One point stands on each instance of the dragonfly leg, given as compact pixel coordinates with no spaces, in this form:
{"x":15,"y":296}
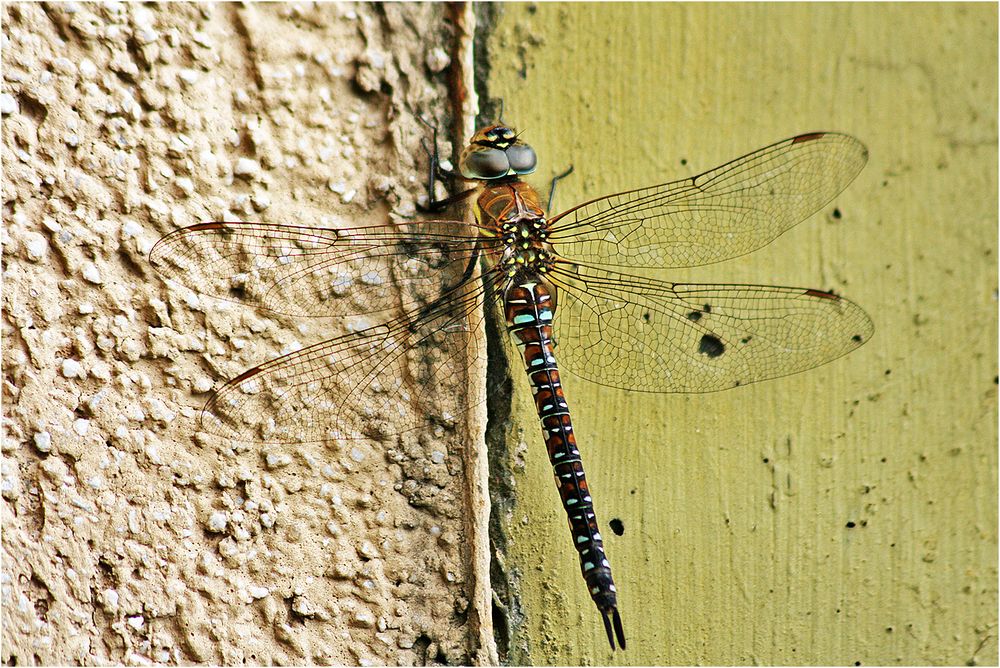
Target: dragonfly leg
{"x":435,"y":172}
{"x":434,"y":205}
{"x":552,"y":187}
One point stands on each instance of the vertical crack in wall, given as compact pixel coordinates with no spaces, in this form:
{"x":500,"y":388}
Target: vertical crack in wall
{"x":506,"y":606}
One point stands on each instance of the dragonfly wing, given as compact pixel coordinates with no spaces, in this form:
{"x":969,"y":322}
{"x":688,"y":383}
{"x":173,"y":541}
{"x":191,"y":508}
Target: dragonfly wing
{"x":723,"y":213}
{"x":307,"y":271}
{"x":651,"y":336}
{"x":385,"y":380}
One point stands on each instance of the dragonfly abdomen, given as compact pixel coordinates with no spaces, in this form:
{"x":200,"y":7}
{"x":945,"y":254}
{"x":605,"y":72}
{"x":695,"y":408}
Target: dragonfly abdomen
{"x":529,"y":311}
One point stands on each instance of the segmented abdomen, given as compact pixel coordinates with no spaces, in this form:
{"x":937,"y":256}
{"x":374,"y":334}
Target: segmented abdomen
{"x":529,"y":310}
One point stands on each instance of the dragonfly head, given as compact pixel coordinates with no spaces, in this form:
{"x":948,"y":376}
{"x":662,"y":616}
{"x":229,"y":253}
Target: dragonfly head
{"x":495,"y":152}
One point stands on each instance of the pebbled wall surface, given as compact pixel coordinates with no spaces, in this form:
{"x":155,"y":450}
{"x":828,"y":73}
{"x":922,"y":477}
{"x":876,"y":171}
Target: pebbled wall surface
{"x":125,"y":539}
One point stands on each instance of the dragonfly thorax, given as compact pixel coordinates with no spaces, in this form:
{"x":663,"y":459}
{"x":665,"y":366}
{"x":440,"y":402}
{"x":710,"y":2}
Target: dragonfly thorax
{"x":525,"y":249}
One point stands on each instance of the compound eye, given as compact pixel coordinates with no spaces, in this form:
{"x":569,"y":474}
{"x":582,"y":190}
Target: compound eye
{"x":485,"y":163}
{"x":522,"y":158}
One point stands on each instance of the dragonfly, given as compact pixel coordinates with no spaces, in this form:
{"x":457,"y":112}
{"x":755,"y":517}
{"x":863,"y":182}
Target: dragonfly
{"x":418,"y":285}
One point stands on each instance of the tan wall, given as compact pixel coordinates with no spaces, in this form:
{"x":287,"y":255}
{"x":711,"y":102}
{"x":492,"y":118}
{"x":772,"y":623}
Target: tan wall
{"x":847,"y":514}
{"x":129,"y":537}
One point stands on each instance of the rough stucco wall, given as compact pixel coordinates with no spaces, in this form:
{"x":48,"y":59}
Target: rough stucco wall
{"x":844,"y":515}
{"x":125,"y":538}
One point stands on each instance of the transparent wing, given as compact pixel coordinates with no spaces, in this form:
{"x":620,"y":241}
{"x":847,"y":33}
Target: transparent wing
{"x":318,"y":272}
{"x":385,"y":380}
{"x":651,"y":336}
{"x":723,"y":213}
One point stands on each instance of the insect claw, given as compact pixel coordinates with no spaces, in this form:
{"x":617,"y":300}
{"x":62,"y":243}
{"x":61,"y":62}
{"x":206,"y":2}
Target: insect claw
{"x":431,"y":126}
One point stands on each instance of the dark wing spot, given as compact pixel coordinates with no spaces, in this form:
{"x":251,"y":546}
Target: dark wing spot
{"x":707,"y":308}
{"x":711,"y":346}
{"x":645,"y":316}
{"x":856,"y":338}
{"x":745,"y":340}
{"x":694,"y":316}
{"x":807,"y":137}
{"x":617,"y":526}
{"x":836,"y":214}
{"x":823,"y":295}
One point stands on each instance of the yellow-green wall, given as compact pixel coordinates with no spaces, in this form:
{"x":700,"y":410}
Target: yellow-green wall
{"x":736,"y":505}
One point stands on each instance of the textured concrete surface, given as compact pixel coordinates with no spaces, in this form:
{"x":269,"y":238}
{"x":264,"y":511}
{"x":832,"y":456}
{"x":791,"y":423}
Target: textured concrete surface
{"x":127,"y":538}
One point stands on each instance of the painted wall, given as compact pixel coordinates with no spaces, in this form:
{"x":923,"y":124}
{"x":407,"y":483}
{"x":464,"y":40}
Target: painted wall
{"x":847,"y":514}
